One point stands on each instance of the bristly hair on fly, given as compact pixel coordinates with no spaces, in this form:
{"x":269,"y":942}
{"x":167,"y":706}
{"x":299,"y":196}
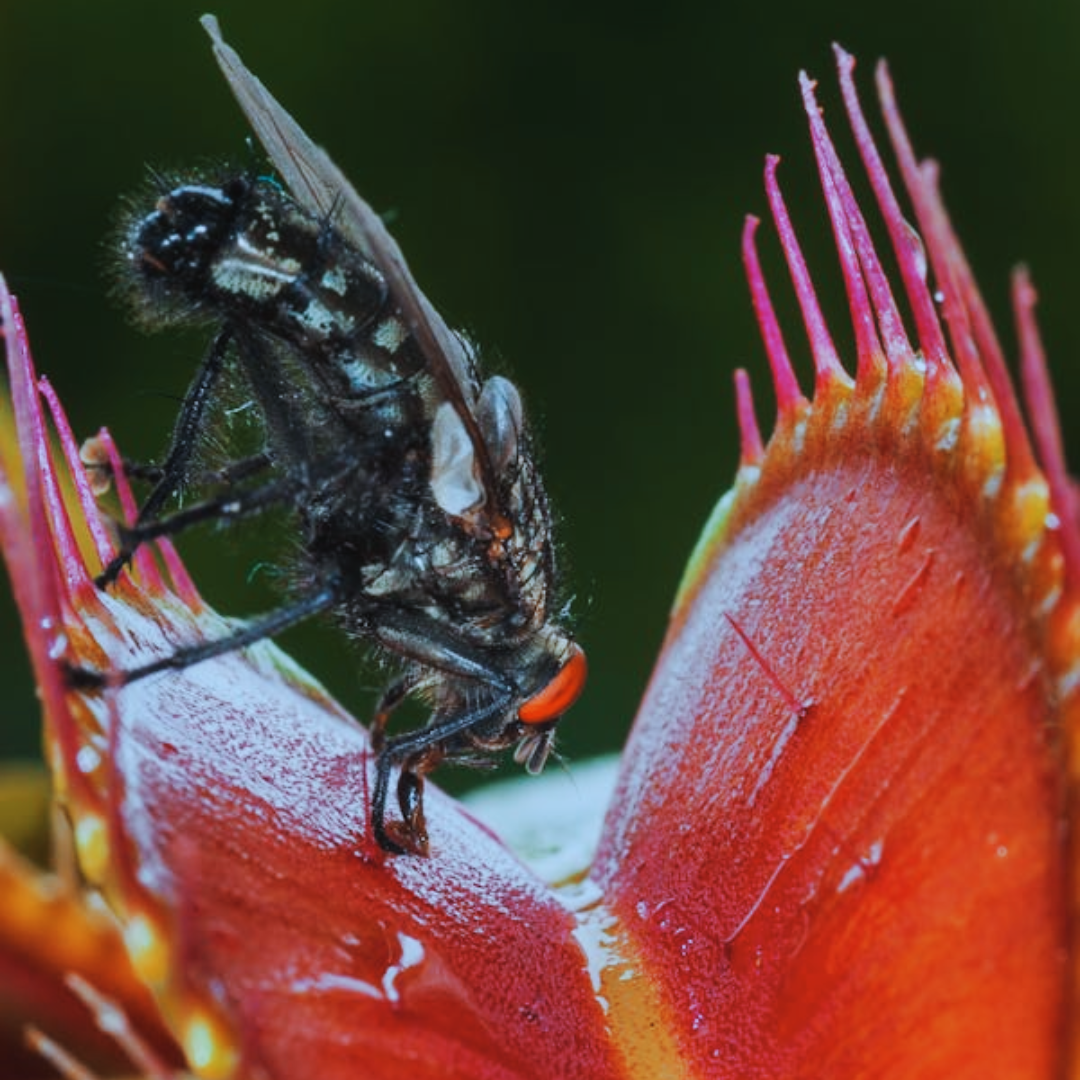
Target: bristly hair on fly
{"x":419,"y":513}
{"x":164,"y":309}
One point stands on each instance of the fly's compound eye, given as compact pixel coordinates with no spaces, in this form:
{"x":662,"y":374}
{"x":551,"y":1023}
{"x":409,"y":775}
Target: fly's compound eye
{"x":557,"y":696}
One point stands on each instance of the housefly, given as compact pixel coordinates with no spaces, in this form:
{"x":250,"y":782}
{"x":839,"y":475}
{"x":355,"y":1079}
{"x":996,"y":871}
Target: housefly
{"x":422,"y":521}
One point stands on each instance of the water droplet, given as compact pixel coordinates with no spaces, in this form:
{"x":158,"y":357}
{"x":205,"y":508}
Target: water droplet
{"x":87,"y":759}
{"x":412,"y":956}
{"x":860,"y":870}
{"x":56,"y":640}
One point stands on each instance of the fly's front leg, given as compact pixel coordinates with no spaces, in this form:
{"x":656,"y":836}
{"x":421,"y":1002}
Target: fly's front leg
{"x":410,"y":793}
{"x":388,"y":839}
{"x":410,"y":835}
{"x":391,"y":698}
{"x":437,"y":647}
{"x":417,"y":753}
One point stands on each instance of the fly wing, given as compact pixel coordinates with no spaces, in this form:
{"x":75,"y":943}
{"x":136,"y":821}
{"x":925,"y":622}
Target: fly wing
{"x":320,"y":187}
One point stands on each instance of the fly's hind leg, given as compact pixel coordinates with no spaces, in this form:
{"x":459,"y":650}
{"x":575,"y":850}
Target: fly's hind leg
{"x":230,"y":506}
{"x":232,"y":472}
{"x":258,"y":629}
{"x":185,"y":437}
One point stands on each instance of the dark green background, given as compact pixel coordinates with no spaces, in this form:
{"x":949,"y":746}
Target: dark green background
{"x":569,"y":183}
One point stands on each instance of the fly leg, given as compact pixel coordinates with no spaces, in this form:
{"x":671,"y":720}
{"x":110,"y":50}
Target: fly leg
{"x":230,"y":505}
{"x":416,"y":753}
{"x":257,"y":629}
{"x":184,"y":440}
{"x":232,"y":472}
{"x":410,"y":793}
{"x":410,"y":835}
{"x":391,"y":698}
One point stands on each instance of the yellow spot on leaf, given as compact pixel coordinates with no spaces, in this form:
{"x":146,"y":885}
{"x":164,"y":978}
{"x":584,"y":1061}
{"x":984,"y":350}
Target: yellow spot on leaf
{"x":208,"y":1048}
{"x":92,"y":846}
{"x":147,"y":948}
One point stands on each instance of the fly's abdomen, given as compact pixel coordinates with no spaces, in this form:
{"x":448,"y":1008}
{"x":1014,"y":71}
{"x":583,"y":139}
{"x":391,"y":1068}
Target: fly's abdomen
{"x":245,"y":251}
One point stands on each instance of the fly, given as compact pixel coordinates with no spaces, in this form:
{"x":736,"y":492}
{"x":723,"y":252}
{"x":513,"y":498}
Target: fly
{"x":422,"y":521}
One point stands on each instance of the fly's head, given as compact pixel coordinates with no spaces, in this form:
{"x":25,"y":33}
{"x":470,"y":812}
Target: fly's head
{"x":562,"y":669}
{"x":519,"y":704}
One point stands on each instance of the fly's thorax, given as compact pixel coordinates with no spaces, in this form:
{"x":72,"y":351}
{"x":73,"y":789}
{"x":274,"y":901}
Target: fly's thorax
{"x":495,"y":559}
{"x":457,"y":479}
{"x":366,"y":500}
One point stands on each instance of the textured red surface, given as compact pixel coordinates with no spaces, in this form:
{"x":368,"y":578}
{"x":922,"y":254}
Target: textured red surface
{"x":246,"y":805}
{"x":873,"y":886}
{"x":843,"y":816}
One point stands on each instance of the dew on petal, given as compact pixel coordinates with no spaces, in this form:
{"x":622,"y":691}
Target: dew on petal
{"x":411,"y":956}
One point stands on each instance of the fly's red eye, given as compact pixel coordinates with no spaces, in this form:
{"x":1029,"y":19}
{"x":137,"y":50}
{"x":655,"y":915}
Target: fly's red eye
{"x":559,"y":694}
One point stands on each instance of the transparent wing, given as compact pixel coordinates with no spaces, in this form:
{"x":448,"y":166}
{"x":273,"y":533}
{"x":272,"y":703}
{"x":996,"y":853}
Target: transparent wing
{"x":319,"y":186}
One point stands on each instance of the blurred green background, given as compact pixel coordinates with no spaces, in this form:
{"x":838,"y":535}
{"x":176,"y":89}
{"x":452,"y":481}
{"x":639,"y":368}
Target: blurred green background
{"x":568,"y":182}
